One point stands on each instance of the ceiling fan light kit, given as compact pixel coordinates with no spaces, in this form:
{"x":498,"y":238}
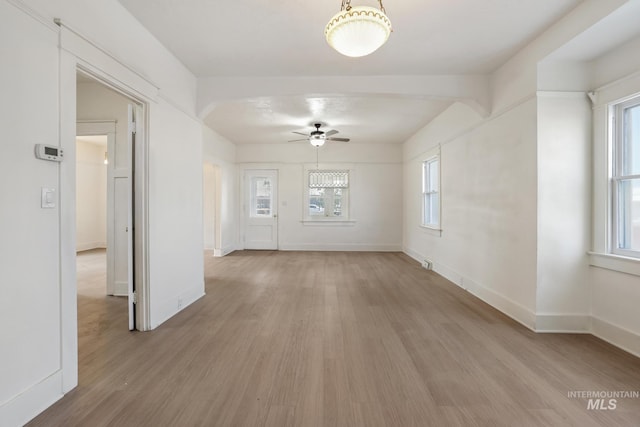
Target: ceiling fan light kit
{"x":358,"y":31}
{"x":317,"y":138}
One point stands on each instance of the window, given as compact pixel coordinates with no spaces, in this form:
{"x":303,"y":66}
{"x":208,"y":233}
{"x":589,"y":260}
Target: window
{"x":328,"y":194}
{"x":625,"y":180}
{"x":431,"y":192}
{"x":261,"y":197}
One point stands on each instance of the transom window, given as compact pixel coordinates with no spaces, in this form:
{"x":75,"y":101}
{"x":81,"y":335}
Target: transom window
{"x":625,"y":178}
{"x":328,"y":194}
{"x":431,"y":192}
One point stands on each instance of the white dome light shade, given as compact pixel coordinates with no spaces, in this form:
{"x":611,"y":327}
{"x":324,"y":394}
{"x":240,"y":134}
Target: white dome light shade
{"x":317,"y":140}
{"x":359,"y":31}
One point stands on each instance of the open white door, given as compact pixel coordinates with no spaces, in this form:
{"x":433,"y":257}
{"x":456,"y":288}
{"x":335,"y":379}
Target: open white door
{"x":261,"y":209}
{"x":132,"y":113}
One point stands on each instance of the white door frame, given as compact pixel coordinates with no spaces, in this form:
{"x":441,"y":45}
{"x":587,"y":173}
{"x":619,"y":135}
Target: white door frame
{"x":78,"y":53}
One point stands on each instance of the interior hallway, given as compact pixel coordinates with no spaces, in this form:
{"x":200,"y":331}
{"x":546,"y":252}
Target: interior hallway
{"x":328,"y":338}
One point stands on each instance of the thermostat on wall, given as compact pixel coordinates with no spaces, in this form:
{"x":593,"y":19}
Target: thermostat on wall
{"x":49,"y":152}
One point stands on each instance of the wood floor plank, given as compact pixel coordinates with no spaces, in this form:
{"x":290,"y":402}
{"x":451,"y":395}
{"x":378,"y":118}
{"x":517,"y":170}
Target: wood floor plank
{"x":331,"y":339}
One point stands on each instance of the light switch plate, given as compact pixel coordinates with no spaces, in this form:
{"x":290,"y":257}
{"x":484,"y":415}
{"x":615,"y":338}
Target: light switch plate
{"x":48,"y":198}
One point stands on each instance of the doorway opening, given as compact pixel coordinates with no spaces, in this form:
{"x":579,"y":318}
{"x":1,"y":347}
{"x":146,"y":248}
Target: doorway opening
{"x":110,"y":120}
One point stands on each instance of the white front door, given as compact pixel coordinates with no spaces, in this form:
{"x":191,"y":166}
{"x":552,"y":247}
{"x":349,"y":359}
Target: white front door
{"x":261,"y":209}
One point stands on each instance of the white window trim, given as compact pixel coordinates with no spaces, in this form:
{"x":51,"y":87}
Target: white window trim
{"x":434,"y":229}
{"x":327,"y":220}
{"x":602,"y":255}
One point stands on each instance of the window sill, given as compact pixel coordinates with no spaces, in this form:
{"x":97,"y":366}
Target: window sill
{"x":613,"y":262}
{"x":329,"y":222}
{"x":434,"y":231}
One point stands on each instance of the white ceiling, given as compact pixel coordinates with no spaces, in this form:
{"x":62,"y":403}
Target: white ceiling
{"x":279,"y":38}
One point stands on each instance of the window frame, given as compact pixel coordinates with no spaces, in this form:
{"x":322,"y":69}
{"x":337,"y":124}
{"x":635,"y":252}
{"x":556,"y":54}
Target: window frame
{"x":329,"y":216}
{"x":617,"y":145}
{"x":428,"y":191}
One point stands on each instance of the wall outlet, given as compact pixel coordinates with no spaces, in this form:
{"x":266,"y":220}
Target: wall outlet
{"x":427,"y":264}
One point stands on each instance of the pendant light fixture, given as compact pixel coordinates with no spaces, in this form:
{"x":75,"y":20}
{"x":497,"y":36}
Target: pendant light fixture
{"x":359,"y":30}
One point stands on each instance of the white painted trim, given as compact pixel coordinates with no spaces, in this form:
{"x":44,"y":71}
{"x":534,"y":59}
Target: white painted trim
{"x":616,"y":335}
{"x":617,"y":263}
{"x":181,"y":301}
{"x":563,"y":323}
{"x":515,"y":310}
{"x":224,"y":251}
{"x":98,"y":60}
{"x":341,"y":247}
{"x":95,"y":127}
{"x":433,"y":231}
{"x":329,"y":222}
{"x":27,"y":405}
{"x":48,"y":23}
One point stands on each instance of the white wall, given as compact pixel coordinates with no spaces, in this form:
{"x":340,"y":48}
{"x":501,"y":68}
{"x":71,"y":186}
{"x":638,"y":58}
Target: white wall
{"x":30,"y":328}
{"x":488,"y":204}
{"x":175,"y":211}
{"x":38,"y":353}
{"x":564,"y":211}
{"x":91,"y":196}
{"x":375,"y":199}
{"x":221,"y":153}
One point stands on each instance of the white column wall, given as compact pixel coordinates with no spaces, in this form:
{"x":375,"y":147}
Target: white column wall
{"x":176,"y":238}
{"x":564,"y":211}
{"x":30,"y":326}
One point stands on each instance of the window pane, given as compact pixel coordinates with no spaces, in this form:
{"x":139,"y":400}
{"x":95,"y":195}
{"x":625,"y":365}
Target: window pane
{"x":260,"y":197}
{"x":433,"y":175}
{"x":316,"y":201}
{"x":435,"y":209}
{"x":337,"y":202}
{"x":631,"y":140}
{"x":328,"y":179}
{"x":629,"y":214}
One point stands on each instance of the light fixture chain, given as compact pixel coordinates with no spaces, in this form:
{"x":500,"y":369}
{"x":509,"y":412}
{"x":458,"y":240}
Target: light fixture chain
{"x":346,"y":5}
{"x":382,"y":7}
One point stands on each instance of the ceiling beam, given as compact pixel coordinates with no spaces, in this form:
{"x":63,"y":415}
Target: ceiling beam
{"x":472,"y":90}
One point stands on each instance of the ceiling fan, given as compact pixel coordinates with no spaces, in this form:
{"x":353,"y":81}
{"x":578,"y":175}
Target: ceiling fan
{"x":317,"y":137}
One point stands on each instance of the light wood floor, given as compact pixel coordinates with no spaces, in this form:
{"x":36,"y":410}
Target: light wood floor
{"x":344,"y":339}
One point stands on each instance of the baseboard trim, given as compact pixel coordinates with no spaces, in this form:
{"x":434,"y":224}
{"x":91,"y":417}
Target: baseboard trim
{"x":173,"y":306}
{"x":346,"y":247}
{"x":27,"y":405}
{"x":563,"y":323}
{"x":223,"y":251}
{"x":618,"y":336}
{"x":615,"y":335}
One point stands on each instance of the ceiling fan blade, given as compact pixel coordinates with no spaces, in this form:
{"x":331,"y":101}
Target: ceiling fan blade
{"x":331,"y":132}
{"x":300,"y":133}
{"x":339,"y":139}
{"x":296,"y":140}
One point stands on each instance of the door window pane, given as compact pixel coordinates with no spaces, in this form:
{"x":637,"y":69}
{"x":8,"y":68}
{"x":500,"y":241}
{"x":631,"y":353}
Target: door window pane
{"x":261,"y":197}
